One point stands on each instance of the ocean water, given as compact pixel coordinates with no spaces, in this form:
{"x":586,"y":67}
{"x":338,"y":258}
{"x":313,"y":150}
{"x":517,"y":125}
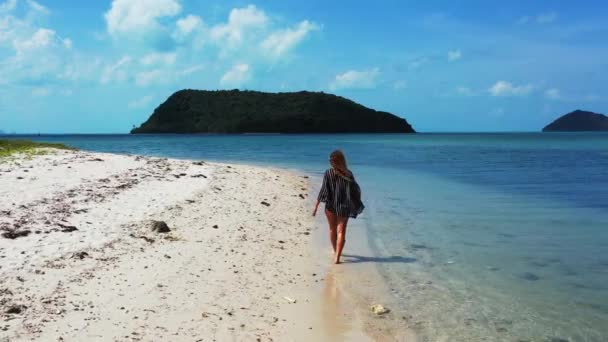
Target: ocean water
{"x":480,"y":237}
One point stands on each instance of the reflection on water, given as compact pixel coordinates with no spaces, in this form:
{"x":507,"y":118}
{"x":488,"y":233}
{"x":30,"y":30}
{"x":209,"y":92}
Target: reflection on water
{"x":335,"y":311}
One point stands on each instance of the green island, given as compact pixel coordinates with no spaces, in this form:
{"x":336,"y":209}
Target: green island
{"x":235,"y":111}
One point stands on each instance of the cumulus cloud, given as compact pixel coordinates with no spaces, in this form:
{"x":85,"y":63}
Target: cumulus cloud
{"x":240,"y":22}
{"x":139,"y":16}
{"x":188,"y":24}
{"x":280,"y":42}
{"x":42,"y":38}
{"x":237,"y":76}
{"x":364,"y":79}
{"x":552,"y":94}
{"x":454,"y":55}
{"x":156,"y":58}
{"x":503,"y":88}
{"x":546,"y":18}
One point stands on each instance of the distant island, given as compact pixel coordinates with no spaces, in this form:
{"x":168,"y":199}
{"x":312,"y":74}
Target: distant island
{"x":235,"y":111}
{"x":579,"y":121}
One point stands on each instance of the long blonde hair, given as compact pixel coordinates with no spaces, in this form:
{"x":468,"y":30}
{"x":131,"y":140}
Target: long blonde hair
{"x":338,"y":162}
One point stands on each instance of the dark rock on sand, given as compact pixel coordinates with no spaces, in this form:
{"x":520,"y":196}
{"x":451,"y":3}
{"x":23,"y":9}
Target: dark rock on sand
{"x":67,"y":229}
{"x":13,"y":234}
{"x":15,"y":309}
{"x":265,"y":203}
{"x":160,"y":227}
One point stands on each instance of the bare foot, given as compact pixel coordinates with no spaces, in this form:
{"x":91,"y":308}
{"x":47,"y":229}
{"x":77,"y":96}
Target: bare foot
{"x":336,"y":261}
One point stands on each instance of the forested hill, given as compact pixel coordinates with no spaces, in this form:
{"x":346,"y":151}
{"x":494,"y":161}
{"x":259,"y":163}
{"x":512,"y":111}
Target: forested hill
{"x":579,"y":121}
{"x":234,"y":111}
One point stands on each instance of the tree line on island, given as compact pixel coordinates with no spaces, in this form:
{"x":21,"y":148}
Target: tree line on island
{"x":235,"y":111}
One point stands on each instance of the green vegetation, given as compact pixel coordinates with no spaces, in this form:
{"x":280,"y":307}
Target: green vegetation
{"x":28,"y":148}
{"x":234,"y":111}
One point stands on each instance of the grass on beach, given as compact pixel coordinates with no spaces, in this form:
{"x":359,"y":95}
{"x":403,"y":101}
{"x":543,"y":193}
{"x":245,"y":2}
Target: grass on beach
{"x":28,"y":148}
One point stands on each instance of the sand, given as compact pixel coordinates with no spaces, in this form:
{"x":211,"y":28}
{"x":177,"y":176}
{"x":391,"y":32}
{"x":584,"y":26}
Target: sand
{"x":80,"y":262}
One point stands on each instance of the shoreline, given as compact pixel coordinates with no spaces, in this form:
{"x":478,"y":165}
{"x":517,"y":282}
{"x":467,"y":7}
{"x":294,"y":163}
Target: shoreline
{"x":238,"y":263}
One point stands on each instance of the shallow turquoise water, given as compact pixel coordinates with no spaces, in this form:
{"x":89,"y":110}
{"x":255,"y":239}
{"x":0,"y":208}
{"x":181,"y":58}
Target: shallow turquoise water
{"x":499,"y":236}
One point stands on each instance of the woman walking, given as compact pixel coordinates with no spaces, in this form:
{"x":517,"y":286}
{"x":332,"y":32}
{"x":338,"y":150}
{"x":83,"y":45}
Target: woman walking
{"x":342,"y":197}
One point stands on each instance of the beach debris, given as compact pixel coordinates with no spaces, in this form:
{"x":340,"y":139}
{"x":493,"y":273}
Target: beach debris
{"x":66,"y":228}
{"x":215,"y":226}
{"x":13,"y":234}
{"x":147,"y":239}
{"x":379,"y":309}
{"x":200,"y":163}
{"x":15,"y":309}
{"x":159,"y":227}
{"x":199,"y":176}
{"x":302,"y":196}
{"x":97,"y":159}
{"x":80,"y":255}
{"x":290,"y":300}
{"x":529,"y":276}
{"x":265,"y":203}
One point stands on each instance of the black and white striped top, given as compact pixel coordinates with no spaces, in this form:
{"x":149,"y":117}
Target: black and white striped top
{"x":341,"y":195}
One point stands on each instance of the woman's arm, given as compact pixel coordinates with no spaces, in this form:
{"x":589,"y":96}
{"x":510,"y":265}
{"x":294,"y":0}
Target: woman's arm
{"x":323,"y":193}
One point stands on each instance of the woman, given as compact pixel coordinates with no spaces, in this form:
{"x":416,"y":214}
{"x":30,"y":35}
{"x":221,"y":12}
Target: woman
{"x":342,"y":197}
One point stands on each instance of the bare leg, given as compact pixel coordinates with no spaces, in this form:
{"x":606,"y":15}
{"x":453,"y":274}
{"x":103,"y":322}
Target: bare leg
{"x":342,"y":222}
{"x":333,"y":228}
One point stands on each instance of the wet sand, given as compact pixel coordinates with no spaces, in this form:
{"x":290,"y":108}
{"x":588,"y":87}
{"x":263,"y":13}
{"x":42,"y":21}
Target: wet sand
{"x":242,"y":261}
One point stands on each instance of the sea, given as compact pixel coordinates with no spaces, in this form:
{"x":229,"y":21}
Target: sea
{"x":481,"y":237}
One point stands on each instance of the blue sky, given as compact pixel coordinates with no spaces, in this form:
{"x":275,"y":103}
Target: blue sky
{"x":103,"y":66}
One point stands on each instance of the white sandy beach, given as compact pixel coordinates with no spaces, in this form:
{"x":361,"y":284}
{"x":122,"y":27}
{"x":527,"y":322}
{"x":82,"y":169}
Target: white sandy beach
{"x":236,"y":266}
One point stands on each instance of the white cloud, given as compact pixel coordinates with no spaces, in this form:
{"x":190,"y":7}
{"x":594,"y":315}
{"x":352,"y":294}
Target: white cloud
{"x":42,"y":38}
{"x":41,"y":92}
{"x":546,"y":18}
{"x":523,"y":20}
{"x":400,"y":84}
{"x":36,"y":7}
{"x":141,"y":102}
{"x":8,"y":6}
{"x":503,"y":88}
{"x":192,"y":69}
{"x":117,"y":71}
{"x":454,"y":55}
{"x":355,"y":79}
{"x":417,"y":63}
{"x":159,"y":59}
{"x":138,"y":16}
{"x":465,"y":91}
{"x":238,"y":75}
{"x":146,"y":78}
{"x":188,"y":24}
{"x":552,"y":94}
{"x":280,"y":42}
{"x":67,"y":43}
{"x":240,"y":22}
